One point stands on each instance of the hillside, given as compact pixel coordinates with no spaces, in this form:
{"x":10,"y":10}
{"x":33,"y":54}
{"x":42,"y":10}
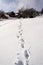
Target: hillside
{"x":32,"y":35}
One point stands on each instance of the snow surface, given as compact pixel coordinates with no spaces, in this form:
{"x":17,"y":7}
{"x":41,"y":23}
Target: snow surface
{"x":33,"y":36}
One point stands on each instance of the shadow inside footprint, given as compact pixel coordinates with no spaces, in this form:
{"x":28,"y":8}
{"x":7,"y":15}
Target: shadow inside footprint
{"x":19,"y":63}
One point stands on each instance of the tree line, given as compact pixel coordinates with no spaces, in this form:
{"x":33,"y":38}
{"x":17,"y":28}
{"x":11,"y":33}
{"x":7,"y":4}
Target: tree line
{"x":22,"y":13}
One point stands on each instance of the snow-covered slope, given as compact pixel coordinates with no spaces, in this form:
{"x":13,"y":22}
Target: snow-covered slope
{"x":33,"y":36}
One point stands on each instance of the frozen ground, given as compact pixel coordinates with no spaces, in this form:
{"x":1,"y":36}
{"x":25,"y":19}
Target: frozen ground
{"x":33,"y":36}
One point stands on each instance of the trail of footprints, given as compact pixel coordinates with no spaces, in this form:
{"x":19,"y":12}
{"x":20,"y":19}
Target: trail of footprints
{"x":22,"y":43}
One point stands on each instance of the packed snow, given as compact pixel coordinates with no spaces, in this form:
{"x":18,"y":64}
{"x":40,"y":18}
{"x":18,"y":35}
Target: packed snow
{"x":10,"y":49}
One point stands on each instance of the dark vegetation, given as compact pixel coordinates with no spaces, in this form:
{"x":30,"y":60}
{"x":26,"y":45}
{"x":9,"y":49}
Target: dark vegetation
{"x":3,"y":15}
{"x":42,"y":11}
{"x":31,"y":13}
{"x":27,"y":13}
{"x":11,"y":14}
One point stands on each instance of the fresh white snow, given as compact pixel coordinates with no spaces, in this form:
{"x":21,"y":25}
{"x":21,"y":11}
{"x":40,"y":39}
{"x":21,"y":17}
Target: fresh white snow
{"x":33,"y":36}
